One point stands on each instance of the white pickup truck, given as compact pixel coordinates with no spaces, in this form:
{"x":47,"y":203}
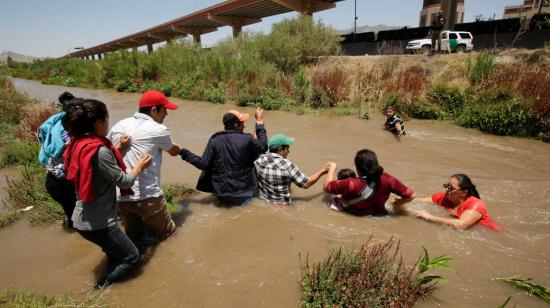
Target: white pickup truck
{"x":451,"y":41}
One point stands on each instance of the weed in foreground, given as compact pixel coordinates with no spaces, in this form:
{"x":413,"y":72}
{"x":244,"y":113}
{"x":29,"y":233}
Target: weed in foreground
{"x":531,"y":288}
{"x":23,"y":298}
{"x":372,"y":276}
{"x":175,"y":191}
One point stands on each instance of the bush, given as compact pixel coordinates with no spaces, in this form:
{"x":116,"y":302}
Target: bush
{"x":215,"y":95}
{"x":372,"y":276}
{"x":449,"y":98}
{"x":301,"y":87}
{"x":423,"y":110}
{"x":411,"y":80}
{"x":333,"y":81}
{"x":319,"y":98}
{"x":514,"y":117}
{"x":482,"y":69}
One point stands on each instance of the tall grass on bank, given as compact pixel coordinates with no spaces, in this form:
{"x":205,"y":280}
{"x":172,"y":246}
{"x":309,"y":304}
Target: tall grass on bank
{"x":26,"y":299}
{"x":372,"y":276}
{"x":18,"y":146}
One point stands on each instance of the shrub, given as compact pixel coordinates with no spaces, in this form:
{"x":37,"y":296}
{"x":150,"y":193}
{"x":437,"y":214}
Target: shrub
{"x":482,"y":69}
{"x":449,"y":98}
{"x":333,"y":81}
{"x":319,"y":98}
{"x":411,"y":80}
{"x":512,"y":117}
{"x":372,"y":276}
{"x":423,"y":110}
{"x":301,"y":87}
{"x":215,"y":95}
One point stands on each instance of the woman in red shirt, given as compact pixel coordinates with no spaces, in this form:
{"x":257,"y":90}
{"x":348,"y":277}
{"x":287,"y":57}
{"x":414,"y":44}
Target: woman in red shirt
{"x":366,"y":194}
{"x":461,"y":200}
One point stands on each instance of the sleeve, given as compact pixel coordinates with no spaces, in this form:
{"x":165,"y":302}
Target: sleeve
{"x":400,"y":189}
{"x":109,"y":170}
{"x":296,"y":175}
{"x":338,"y":187}
{"x":259,"y":146}
{"x":477,"y":205}
{"x":163,"y":139}
{"x":201,"y":162}
{"x":438,"y":198}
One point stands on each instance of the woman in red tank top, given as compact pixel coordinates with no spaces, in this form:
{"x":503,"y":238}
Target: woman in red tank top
{"x":461,"y":200}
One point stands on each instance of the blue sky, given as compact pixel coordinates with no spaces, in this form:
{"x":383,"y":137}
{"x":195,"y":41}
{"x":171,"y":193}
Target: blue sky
{"x":50,"y":28}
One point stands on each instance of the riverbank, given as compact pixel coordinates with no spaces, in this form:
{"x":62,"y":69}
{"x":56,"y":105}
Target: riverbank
{"x":295,"y":67}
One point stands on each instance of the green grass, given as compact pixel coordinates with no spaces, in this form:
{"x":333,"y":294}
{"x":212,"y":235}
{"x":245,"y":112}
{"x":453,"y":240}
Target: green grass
{"x":173,"y":192}
{"x":27,"y":299}
{"x":526,"y":285}
{"x":372,"y":276}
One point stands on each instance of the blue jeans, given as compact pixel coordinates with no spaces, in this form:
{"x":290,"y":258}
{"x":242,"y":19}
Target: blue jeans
{"x":122,"y":254}
{"x":230,"y":200}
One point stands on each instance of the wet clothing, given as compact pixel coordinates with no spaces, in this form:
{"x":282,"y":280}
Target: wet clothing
{"x":228,"y":162}
{"x":52,"y":137}
{"x":78,"y":164}
{"x":62,"y":191}
{"x":151,"y":212}
{"x":106,"y":176}
{"x":472,"y":203}
{"x":147,"y":137}
{"x":122,"y":255}
{"x":275,"y":174}
{"x":390,"y":124}
{"x":351,"y":188}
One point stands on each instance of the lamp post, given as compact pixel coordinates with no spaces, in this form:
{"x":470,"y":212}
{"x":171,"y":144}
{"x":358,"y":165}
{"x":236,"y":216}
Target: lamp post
{"x":355,"y":21}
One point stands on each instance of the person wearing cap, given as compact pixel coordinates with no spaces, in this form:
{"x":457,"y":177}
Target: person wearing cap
{"x":228,"y":159}
{"x":146,"y":209}
{"x":276,"y":172}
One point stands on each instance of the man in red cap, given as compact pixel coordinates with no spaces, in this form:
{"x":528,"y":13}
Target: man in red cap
{"x":228,"y":160}
{"x":146,"y":209}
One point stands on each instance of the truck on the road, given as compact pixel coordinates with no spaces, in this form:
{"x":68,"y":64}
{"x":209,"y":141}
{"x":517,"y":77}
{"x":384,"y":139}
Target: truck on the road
{"x":451,"y":41}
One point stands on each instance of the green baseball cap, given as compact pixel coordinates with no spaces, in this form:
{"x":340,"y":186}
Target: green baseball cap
{"x":279,"y":140}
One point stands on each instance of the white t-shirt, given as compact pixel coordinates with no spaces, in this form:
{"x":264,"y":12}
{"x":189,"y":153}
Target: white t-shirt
{"x":146,"y":137}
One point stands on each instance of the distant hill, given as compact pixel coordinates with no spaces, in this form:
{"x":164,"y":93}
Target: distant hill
{"x":15,"y":57}
{"x":363,"y":29}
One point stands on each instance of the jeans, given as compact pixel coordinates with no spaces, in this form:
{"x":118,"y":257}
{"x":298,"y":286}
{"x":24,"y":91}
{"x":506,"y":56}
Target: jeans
{"x":122,"y":254}
{"x":230,"y":200}
{"x":62,"y":191}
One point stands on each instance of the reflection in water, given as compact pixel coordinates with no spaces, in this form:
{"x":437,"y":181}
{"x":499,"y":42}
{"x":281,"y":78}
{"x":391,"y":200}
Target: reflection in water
{"x":249,"y":256}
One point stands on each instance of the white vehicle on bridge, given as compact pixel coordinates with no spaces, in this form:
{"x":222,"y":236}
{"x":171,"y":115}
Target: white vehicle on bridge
{"x":451,"y":41}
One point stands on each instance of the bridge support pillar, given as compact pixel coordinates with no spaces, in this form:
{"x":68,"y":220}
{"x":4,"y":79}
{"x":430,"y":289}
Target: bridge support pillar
{"x":99,"y":56}
{"x":149,"y":48}
{"x":236,"y":31}
{"x":197,"y":38}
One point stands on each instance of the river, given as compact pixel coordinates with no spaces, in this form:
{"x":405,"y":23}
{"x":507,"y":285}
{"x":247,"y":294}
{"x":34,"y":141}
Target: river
{"x":249,"y":256}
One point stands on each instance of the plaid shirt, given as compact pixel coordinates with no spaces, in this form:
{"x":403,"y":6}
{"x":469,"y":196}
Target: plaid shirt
{"x":275,"y":174}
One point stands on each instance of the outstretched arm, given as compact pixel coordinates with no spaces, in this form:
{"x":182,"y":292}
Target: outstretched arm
{"x":312,"y":179}
{"x":331,"y":175}
{"x":468,"y":219}
{"x":200,"y":162}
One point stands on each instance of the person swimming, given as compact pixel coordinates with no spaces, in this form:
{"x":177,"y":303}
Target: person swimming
{"x":394,"y":123}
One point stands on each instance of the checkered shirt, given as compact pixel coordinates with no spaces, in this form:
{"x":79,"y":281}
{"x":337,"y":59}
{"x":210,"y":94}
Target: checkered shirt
{"x":275,"y":174}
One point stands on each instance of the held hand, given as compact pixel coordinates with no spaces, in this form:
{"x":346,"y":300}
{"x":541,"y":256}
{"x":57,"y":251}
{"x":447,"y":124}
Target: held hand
{"x":123,"y":140}
{"x":397,"y":201}
{"x":259,"y":115}
{"x":422,"y":214}
{"x":143,"y":162}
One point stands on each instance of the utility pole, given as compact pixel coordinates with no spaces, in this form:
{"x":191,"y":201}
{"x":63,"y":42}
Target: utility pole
{"x":355,"y":21}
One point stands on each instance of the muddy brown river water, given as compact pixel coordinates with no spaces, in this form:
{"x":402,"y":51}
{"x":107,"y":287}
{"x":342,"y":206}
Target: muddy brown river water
{"x":249,"y":256}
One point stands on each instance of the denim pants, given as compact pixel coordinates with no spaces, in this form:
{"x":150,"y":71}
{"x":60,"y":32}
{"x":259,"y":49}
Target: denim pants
{"x":234,"y":201}
{"x":62,"y":191}
{"x":122,"y":254}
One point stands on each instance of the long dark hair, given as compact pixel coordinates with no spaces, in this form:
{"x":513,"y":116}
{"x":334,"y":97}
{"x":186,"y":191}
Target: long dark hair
{"x":367,"y":165}
{"x":465,"y":183}
{"x":83,"y":114}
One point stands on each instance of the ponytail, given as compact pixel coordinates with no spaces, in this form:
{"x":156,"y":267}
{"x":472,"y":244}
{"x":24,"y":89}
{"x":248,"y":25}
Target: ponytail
{"x":82,"y":116}
{"x":366,"y":163}
{"x":465,"y":183}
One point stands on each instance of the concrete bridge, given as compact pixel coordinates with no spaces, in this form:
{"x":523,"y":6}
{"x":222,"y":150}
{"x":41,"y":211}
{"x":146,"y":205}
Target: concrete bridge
{"x":233,"y":13}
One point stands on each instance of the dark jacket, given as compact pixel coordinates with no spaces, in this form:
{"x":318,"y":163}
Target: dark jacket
{"x":228,"y":162}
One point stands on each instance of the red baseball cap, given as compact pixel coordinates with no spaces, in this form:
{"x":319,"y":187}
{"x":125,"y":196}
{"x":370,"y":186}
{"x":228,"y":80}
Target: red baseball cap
{"x":154,"y":98}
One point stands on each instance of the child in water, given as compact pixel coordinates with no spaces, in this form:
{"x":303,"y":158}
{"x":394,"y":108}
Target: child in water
{"x":337,"y":203}
{"x":393,"y":123}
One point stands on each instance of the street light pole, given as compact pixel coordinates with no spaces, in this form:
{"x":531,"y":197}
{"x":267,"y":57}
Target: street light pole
{"x":355,"y":21}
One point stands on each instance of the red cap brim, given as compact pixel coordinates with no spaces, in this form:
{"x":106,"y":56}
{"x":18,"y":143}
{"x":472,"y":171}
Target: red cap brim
{"x":170,"y":105}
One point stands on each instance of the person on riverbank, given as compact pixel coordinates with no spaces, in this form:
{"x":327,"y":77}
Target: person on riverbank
{"x":276,"y":173}
{"x":461,"y":199}
{"x":53,"y":138}
{"x":146,"y":209}
{"x":227,"y":162}
{"x":394,"y":123}
{"x":96,"y":168}
{"x":367,"y":193}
